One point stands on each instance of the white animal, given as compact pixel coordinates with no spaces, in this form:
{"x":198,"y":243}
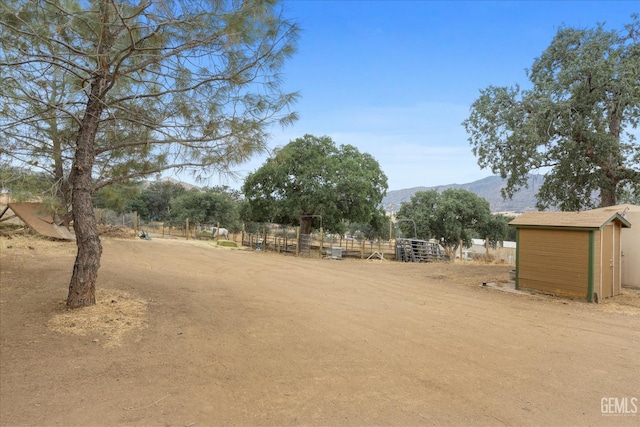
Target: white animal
{"x":220,"y":232}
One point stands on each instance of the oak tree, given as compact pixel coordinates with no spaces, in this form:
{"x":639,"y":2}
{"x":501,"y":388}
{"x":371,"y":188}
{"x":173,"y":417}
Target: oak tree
{"x":577,"y":120}
{"x":448,"y":217}
{"x":311,"y":177}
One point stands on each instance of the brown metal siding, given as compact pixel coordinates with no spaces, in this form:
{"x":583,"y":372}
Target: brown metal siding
{"x":554,"y":261}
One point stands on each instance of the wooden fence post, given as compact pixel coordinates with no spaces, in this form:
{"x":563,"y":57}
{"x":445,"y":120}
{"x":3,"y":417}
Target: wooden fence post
{"x":486,"y":247}
{"x":186,"y":229}
{"x":298,"y":241}
{"x":264,"y":239}
{"x":362,"y":250}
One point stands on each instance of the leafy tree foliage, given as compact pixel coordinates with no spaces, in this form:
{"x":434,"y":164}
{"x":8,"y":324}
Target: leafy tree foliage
{"x":422,"y":209}
{"x":206,"y":207}
{"x":309,"y":177}
{"x":449,"y":217}
{"x":103,"y":91}
{"x":22,"y":184}
{"x":378,"y":228}
{"x":497,"y":229}
{"x":630,"y":194}
{"x":119,"y":198}
{"x":577,"y":120}
{"x":26,"y":185}
{"x":170,"y":202}
{"x":156,"y":199}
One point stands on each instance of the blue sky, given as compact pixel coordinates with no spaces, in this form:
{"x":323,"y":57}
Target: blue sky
{"x":397,"y":78}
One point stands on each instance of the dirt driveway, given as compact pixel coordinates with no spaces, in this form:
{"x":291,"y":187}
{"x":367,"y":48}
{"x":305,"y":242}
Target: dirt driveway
{"x":235,"y":337}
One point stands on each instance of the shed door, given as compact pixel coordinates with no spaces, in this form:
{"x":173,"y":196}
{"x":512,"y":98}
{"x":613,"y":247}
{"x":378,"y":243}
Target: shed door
{"x":617,"y":259}
{"x":608,"y":261}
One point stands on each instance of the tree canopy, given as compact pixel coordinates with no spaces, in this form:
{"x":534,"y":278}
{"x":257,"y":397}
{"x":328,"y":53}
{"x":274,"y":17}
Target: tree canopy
{"x":449,"y":217}
{"x":577,"y":120}
{"x":99,"y":92}
{"x":121,"y":198}
{"x":310,"y":177}
{"x":210,"y":207}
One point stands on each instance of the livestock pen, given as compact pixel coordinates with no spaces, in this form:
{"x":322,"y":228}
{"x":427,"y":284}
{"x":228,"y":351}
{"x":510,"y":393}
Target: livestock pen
{"x":288,"y":240}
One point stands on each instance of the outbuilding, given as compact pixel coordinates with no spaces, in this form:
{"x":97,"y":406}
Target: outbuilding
{"x":630,"y":243}
{"x":570,"y":254}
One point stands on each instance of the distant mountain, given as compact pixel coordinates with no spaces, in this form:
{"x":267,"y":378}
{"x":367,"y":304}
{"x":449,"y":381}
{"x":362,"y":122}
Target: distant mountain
{"x":487,"y":188}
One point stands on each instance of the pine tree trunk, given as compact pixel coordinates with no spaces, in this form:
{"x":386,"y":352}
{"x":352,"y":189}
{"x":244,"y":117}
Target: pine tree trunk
{"x":85,"y":270}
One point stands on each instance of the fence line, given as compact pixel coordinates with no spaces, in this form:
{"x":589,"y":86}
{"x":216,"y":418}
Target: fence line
{"x":317,"y":245}
{"x":282,"y":239}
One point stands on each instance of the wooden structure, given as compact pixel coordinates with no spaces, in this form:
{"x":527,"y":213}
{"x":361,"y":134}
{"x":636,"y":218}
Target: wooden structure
{"x":630,"y":243}
{"x":571,"y":254}
{"x":38,"y":219}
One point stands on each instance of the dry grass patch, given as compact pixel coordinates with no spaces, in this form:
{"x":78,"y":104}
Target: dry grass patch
{"x":628,"y":302}
{"x":116,"y":312}
{"x":38,"y":244}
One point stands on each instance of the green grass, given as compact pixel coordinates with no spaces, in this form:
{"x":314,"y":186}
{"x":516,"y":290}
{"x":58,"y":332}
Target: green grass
{"x":228,"y":243}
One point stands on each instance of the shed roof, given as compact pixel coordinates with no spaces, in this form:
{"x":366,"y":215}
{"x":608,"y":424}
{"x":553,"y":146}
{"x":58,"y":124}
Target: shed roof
{"x":587,"y":219}
{"x":621,"y":209}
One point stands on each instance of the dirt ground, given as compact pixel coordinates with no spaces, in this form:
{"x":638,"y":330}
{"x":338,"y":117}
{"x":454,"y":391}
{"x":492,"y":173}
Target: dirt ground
{"x":189,"y":334}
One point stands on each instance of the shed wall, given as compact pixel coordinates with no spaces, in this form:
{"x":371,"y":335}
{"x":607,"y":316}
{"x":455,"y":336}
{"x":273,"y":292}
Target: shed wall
{"x":608,"y":265}
{"x":597,"y":264}
{"x":603,"y":286}
{"x":554,"y":261}
{"x":617,"y":251}
{"x":631,"y":250}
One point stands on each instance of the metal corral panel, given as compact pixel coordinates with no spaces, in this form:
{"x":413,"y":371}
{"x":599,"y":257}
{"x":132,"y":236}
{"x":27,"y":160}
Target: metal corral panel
{"x":554,"y":261}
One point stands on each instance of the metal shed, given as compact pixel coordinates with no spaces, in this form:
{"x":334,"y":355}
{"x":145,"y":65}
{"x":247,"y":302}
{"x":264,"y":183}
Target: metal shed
{"x":571,"y":254}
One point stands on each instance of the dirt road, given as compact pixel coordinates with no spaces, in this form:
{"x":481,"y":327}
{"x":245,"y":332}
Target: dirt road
{"x":235,"y":337}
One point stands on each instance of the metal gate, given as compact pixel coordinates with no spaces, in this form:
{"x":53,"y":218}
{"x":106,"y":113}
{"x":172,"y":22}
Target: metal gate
{"x":305,"y":244}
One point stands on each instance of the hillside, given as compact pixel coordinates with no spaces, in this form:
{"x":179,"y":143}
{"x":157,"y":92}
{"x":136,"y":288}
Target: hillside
{"x":487,"y":188}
